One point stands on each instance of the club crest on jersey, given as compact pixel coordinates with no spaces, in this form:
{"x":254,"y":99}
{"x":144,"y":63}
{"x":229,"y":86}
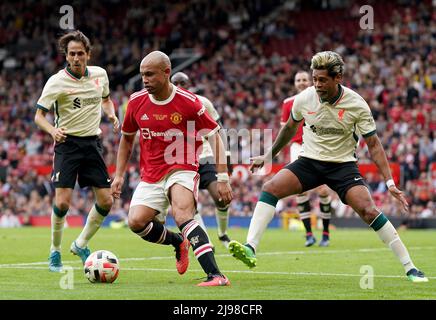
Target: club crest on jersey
{"x":176,"y":118}
{"x":144,"y":117}
{"x":341,"y":114}
{"x":96,"y":81}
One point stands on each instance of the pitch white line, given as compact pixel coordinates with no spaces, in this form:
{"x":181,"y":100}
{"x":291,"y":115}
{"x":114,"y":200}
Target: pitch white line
{"x":315,"y":274}
{"x":226,"y":255}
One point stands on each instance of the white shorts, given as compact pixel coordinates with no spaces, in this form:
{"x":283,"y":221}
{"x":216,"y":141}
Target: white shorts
{"x":296,"y":150}
{"x":155,"y":195}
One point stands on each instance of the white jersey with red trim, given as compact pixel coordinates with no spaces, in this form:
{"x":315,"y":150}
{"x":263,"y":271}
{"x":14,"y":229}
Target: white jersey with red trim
{"x":330,"y":130}
{"x":207,"y":149}
{"x":76,"y":101}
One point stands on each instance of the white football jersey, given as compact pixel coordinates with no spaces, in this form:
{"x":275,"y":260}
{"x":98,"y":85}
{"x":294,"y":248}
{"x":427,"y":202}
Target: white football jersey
{"x":330,"y":130}
{"x":207,"y":149}
{"x":76,"y":102}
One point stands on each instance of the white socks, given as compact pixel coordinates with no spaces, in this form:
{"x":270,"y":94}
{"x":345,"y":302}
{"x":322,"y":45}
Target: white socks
{"x":389,"y":236}
{"x":57,"y":228}
{"x":222,"y":220}
{"x":262,"y":216}
{"x":93,"y":223}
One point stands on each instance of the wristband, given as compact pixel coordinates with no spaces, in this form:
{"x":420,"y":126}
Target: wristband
{"x":390,"y":183}
{"x":223,"y":177}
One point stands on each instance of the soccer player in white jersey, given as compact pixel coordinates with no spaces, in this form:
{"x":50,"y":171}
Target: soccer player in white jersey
{"x":332,"y":114}
{"x":78,"y":94}
{"x":301,"y":82}
{"x":170,"y":119}
{"x":207,"y":170}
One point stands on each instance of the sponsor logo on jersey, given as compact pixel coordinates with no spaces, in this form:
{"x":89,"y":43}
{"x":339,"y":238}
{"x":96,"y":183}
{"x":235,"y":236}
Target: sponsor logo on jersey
{"x":201,"y":111}
{"x":91,"y":101}
{"x":144,"y":117}
{"x":321,"y":131}
{"x":147,"y":134}
{"x":76,"y":103}
{"x":176,"y":118}
{"x":160,"y":117}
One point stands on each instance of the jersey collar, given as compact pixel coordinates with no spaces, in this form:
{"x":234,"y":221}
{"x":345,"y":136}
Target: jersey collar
{"x":74,"y":75}
{"x":159,"y":102}
{"x":336,"y":99}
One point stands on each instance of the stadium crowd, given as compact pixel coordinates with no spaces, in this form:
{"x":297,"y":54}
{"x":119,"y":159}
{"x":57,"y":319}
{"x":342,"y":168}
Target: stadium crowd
{"x":392,"y":66}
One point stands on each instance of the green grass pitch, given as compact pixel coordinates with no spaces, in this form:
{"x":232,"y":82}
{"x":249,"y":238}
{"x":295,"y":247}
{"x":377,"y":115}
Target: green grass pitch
{"x":286,"y":269}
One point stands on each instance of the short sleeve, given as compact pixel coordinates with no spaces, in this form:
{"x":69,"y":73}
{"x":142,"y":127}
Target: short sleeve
{"x":48,"y":96}
{"x":365,"y":123}
{"x":106,"y":91}
{"x":204,"y":123}
{"x":286,"y":110}
{"x":297,"y":107}
{"x":130,"y":126}
{"x":210,"y":108}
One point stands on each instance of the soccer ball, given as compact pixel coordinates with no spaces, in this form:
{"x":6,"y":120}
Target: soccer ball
{"x":102,"y":266}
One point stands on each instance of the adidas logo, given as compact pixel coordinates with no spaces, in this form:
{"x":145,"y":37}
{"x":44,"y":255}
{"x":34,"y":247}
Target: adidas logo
{"x":144,"y":117}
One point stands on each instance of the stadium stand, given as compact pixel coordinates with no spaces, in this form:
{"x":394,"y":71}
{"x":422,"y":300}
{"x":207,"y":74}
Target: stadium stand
{"x":251,"y":50}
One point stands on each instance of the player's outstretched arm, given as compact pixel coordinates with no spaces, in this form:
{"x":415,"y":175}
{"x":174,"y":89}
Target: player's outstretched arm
{"x":124,"y":152}
{"x":285,"y":135}
{"x":109,"y":110}
{"x":378,"y":155}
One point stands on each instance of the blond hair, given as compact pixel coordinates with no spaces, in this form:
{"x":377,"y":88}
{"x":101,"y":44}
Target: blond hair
{"x":330,"y":61}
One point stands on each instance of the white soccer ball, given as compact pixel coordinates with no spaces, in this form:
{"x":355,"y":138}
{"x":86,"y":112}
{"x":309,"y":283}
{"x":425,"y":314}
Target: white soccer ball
{"x":102,"y":266}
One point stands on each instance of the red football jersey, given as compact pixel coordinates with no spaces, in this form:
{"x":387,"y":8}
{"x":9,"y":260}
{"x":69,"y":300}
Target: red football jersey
{"x":169,"y":131}
{"x":286,"y":113}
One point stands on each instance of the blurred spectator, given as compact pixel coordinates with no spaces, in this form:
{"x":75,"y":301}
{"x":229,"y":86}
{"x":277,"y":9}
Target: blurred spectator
{"x":9,"y":220}
{"x":242,"y":72}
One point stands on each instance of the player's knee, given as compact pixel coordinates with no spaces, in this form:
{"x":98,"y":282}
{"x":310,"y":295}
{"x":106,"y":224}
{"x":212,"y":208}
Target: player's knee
{"x":323,"y":191}
{"x":106,"y":203}
{"x":62,"y":205}
{"x":136,"y":224}
{"x":368,"y":213}
{"x":183,"y":214}
{"x":271,"y":188}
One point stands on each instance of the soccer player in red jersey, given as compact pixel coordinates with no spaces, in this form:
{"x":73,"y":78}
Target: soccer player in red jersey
{"x":171,"y":122}
{"x":301,"y":82}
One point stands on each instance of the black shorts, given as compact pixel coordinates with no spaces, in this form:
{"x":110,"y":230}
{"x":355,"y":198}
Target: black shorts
{"x":340,"y":177}
{"x":80,"y":158}
{"x":207,"y":172}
